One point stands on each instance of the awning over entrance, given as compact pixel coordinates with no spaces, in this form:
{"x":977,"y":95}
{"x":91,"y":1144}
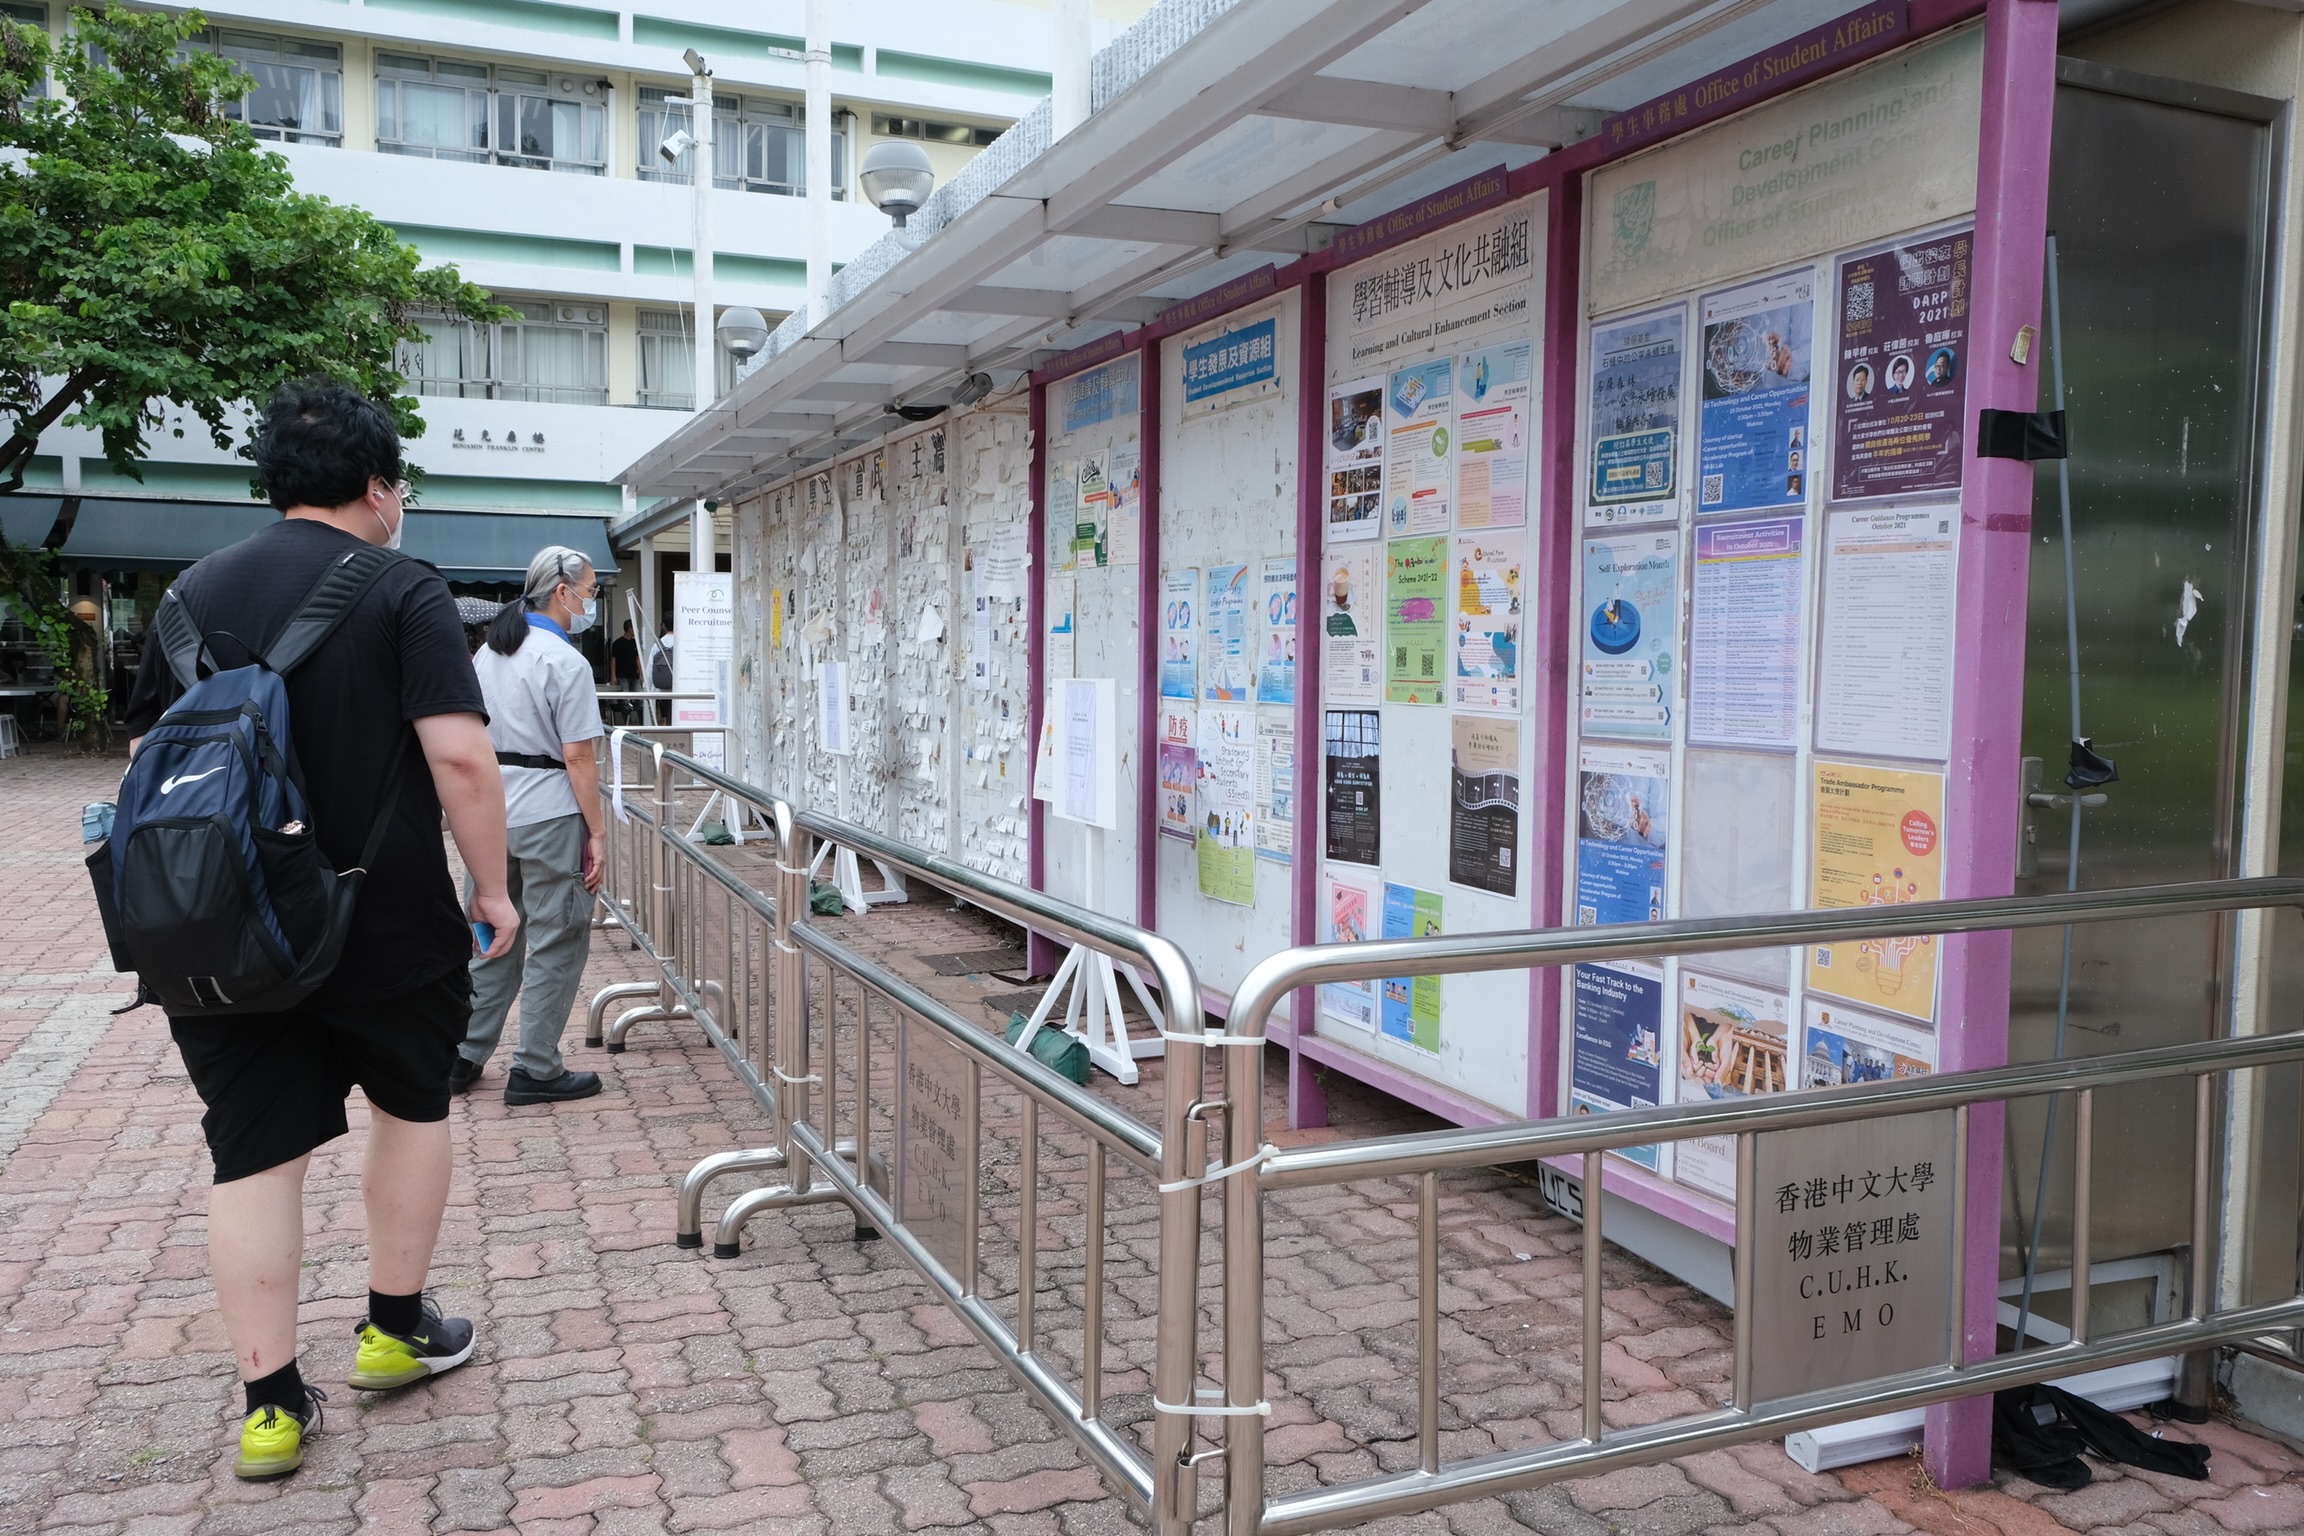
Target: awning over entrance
{"x":128,"y":535}
{"x":25,"y":520}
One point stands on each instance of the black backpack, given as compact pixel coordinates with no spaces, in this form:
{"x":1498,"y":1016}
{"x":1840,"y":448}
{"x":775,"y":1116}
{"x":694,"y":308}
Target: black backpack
{"x":212,"y":886}
{"x":660,"y":669}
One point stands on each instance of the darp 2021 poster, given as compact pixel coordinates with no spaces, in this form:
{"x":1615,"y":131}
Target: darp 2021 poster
{"x":1900,"y":390}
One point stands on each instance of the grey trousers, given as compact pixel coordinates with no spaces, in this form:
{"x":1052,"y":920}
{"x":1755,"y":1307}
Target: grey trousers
{"x":545,"y":965}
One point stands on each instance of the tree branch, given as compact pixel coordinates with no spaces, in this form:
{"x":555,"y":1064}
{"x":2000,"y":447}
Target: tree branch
{"x":17,"y":453}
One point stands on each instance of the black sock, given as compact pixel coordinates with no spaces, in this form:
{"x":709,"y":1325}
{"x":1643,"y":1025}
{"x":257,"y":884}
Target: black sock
{"x":396,"y":1314}
{"x":283,"y":1389}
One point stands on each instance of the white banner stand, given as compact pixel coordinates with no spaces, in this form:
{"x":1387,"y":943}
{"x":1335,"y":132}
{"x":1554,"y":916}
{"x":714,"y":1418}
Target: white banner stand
{"x":1084,"y":752}
{"x":832,"y":733}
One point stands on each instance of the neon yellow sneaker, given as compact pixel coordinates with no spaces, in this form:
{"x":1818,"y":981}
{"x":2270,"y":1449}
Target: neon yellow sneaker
{"x":272,"y":1439}
{"x":390,"y":1360}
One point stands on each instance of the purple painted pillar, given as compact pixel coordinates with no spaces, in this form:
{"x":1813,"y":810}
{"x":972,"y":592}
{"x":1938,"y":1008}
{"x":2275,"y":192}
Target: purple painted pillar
{"x":1981,"y":811}
{"x":1042,"y":953}
{"x":1307,"y":1100}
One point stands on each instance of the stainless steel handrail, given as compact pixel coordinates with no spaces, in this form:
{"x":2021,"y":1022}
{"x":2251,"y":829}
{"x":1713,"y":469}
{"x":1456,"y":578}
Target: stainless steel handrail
{"x":1248,"y":1511}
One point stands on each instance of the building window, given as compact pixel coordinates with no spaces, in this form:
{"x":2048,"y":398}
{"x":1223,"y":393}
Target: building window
{"x":888,"y":126}
{"x":447,"y":109}
{"x":552,"y":352}
{"x":296,"y":90}
{"x":759,"y":143}
{"x":667,"y":357}
{"x":30,"y":15}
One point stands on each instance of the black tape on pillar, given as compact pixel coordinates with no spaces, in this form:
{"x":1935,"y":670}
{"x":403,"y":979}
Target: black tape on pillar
{"x":2020,"y":434}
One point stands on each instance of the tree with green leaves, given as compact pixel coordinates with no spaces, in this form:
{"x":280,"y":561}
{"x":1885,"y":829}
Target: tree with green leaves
{"x":152,"y":253}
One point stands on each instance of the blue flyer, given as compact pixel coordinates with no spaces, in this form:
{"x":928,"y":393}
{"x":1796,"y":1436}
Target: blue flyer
{"x":1754,"y":379}
{"x":1623,"y":827}
{"x":1619,"y":1058}
{"x":1630,"y":637}
{"x":1635,"y":422}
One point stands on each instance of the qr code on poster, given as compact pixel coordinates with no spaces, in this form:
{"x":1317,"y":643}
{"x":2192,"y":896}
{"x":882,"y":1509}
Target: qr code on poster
{"x":1587,"y":917}
{"x":1859,"y":302}
{"x":1653,"y":478}
{"x":1715,"y":489}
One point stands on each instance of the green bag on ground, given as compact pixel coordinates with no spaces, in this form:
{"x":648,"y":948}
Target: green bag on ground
{"x":1052,"y":1048}
{"x":824,"y":899}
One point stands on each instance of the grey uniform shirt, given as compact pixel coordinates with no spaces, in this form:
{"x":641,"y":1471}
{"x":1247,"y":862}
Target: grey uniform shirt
{"x":538,"y":697}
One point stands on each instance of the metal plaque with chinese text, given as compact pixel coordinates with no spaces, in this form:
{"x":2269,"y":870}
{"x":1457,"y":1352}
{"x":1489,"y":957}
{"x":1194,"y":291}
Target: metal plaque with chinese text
{"x":935,"y":1143}
{"x":1852,"y":1230}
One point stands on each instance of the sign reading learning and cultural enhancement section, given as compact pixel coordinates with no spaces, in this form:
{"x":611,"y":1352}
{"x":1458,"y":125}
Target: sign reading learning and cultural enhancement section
{"x":1853,"y":1238}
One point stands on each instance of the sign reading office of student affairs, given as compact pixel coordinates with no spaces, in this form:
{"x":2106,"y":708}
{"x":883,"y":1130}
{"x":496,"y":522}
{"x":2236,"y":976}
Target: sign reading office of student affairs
{"x":1232,"y":365}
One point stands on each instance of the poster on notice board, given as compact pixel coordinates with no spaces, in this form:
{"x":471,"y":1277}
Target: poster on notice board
{"x":1276,"y":652}
{"x":1180,"y":634}
{"x":1351,"y":627}
{"x":1355,"y":460}
{"x":1744,"y":633}
{"x":1634,"y":424}
{"x":1623,"y":827}
{"x":1349,"y":914}
{"x":1415,"y":620}
{"x":1418,"y":410}
{"x":1485,"y":643}
{"x":1878,"y":842}
{"x":1493,"y":427}
{"x":1618,"y":1060}
{"x":1228,"y":675}
{"x":1352,"y":777}
{"x":1631,"y":615}
{"x":1226,"y":812}
{"x":1900,"y":390}
{"x":1841,"y":1045}
{"x":1410,"y":1005}
{"x":1734,"y":1043}
{"x":1753,"y":377}
{"x":1484,"y":804}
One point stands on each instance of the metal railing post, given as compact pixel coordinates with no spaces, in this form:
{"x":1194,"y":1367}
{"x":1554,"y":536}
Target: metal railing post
{"x":1175,"y":1360}
{"x":790,"y":1057}
{"x":1244,"y":1274}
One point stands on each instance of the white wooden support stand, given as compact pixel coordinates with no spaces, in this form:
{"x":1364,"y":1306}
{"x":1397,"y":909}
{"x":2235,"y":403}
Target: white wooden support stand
{"x":847,"y":875}
{"x":1092,"y":1012}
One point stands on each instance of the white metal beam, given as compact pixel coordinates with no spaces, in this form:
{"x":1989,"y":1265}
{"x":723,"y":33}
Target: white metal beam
{"x":1365,"y":104}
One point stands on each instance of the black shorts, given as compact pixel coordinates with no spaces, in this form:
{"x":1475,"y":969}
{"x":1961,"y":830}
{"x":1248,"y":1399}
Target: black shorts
{"x":275,"y":1083}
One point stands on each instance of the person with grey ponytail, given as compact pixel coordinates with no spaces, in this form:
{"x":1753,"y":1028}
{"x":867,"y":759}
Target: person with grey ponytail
{"x":544,"y":720}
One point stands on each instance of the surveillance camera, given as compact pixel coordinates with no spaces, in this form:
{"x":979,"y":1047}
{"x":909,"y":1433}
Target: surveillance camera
{"x":676,"y":146}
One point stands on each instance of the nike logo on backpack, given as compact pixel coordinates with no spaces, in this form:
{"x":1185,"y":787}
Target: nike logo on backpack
{"x":166,"y":785}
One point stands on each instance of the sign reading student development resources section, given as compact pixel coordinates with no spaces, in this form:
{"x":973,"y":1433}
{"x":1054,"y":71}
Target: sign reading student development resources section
{"x":1853,"y":1239}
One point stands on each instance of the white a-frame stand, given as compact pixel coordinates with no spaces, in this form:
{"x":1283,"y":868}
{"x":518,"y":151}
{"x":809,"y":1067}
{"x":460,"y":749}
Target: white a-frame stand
{"x":847,"y":875}
{"x":1092,"y":1013}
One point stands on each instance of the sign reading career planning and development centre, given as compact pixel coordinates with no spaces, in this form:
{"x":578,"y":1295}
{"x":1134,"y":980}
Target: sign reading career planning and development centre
{"x":1852,"y":1234}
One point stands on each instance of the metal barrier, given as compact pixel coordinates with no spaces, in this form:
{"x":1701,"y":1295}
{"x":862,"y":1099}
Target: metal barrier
{"x":1250,"y":1512}
{"x":744,"y":964}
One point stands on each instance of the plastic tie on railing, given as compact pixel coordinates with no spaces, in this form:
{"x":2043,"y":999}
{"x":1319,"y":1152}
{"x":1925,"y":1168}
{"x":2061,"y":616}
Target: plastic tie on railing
{"x":616,"y":782}
{"x":1213,"y":1175}
{"x":1191,"y":1037}
{"x":1197,"y":1408}
{"x":789,"y":1081}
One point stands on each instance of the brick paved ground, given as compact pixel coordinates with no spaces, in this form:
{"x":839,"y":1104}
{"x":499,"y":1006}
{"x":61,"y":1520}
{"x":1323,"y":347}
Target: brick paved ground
{"x":810,"y":1386}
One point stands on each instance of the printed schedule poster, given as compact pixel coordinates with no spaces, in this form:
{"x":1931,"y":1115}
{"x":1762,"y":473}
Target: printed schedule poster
{"x":1352,"y":763}
{"x":1884,"y":657}
{"x":1734,"y":1043}
{"x":1623,"y":827}
{"x":1635,"y":417}
{"x":1744,"y":634}
{"x":1486,"y":641}
{"x":1879,"y":837}
{"x":1351,"y":627}
{"x":1356,"y":461}
{"x":1417,"y":414}
{"x":1227,"y":806}
{"x":1484,"y":804}
{"x":1276,"y":668}
{"x":1619,"y":1044}
{"x":1411,"y":1004}
{"x":1753,"y":430}
{"x":1631,"y":607}
{"x":1180,"y":634}
{"x":1348,"y":915}
{"x":1275,"y":786}
{"x":1229,"y":674}
{"x":1415,"y":620}
{"x":1493,"y":422}
{"x":1841,"y":1045}
{"x":1901,"y":386}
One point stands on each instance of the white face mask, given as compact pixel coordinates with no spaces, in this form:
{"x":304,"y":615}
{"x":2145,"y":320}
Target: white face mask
{"x":392,"y":531}
{"x":582,"y":621}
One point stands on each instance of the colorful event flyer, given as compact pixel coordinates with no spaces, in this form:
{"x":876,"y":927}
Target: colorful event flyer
{"x":1631,"y":610}
{"x":1179,"y":788}
{"x":1841,"y":1045}
{"x":1484,"y":804}
{"x":1635,"y":417}
{"x":1351,"y":773}
{"x":1411,"y":1004}
{"x":1753,"y":375}
{"x":1180,"y":633}
{"x":1878,"y":842}
{"x":1226,"y":810}
{"x":1744,"y":634}
{"x":1884,"y":654}
{"x":1275,"y":787}
{"x":1229,"y":677}
{"x":1619,"y":1044}
{"x":1356,"y":461}
{"x":1623,"y":827}
{"x":1417,"y":412}
{"x":1901,"y":384}
{"x":1351,"y":627}
{"x":1734,"y":1043}
{"x":1092,"y":511}
{"x":1124,"y":528}
{"x":1415,"y":620}
{"x":1348,"y":915}
{"x":1276,"y":667}
{"x":1485,"y":644}
{"x":1493,"y":423}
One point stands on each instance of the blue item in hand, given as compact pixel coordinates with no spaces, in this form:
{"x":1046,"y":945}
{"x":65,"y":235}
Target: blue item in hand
{"x":485,"y":935}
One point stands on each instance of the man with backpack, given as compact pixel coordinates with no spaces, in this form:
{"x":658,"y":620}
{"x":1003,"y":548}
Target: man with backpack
{"x":660,"y":673}
{"x":278,"y":881}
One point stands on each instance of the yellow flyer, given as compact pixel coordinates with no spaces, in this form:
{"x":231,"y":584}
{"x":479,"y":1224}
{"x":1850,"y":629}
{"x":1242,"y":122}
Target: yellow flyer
{"x":1879,"y":842}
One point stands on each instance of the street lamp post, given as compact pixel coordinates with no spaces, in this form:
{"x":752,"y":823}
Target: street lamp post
{"x":703,"y":542}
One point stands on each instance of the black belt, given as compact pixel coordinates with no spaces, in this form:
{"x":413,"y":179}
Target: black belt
{"x":530,"y":760}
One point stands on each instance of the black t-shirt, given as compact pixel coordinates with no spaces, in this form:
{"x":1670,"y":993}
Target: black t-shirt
{"x":399,"y":656}
{"x":626,"y":653}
